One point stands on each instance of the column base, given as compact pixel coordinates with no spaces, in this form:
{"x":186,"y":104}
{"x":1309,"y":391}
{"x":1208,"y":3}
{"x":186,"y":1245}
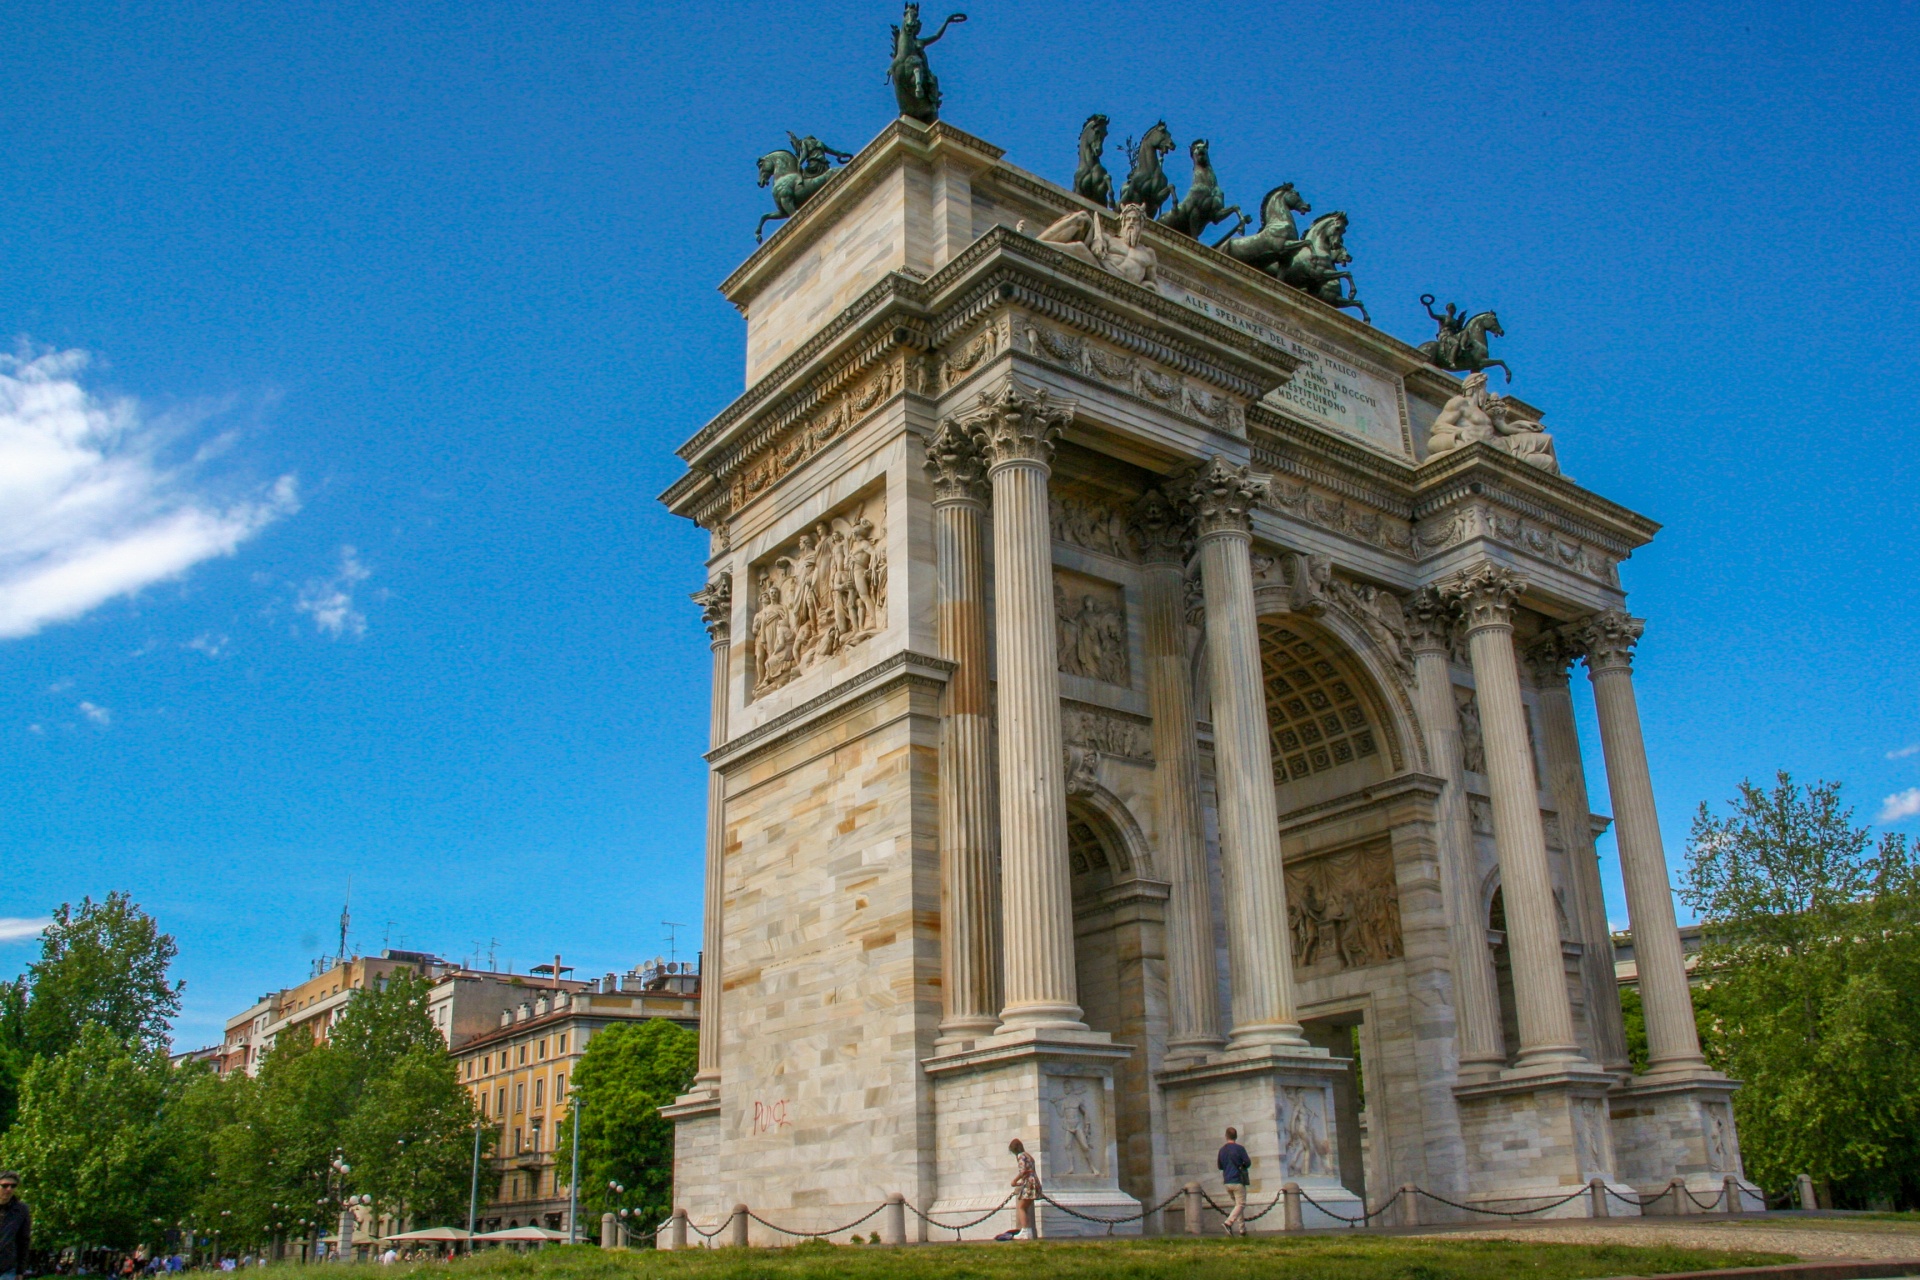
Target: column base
{"x":1539,"y":1136}
{"x":1679,"y":1124}
{"x":1281,"y":1102}
{"x":1053,"y":1089}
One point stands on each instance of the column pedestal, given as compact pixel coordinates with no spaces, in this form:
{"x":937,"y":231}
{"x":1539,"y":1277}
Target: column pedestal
{"x":1540,"y":1137}
{"x":1670,"y":1128}
{"x":1052,"y":1089}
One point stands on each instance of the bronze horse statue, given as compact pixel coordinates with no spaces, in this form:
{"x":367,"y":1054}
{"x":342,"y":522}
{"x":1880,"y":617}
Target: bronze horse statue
{"x":914,"y":86}
{"x":1091,"y":179}
{"x":1279,"y":236}
{"x":1147,"y":183}
{"x":1202,"y":206}
{"x":795,"y":176}
{"x":1316,"y":268}
{"x":1461,"y":346}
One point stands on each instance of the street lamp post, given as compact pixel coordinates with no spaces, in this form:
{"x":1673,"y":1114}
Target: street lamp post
{"x":573,"y":1183}
{"x":473,"y":1191}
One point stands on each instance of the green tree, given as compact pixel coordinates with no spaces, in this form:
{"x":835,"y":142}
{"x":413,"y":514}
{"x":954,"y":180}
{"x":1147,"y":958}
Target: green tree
{"x":94,"y":1139}
{"x":1813,"y":953}
{"x":410,"y":1140}
{"x":102,"y":964}
{"x":14,"y":1055}
{"x":629,"y":1071}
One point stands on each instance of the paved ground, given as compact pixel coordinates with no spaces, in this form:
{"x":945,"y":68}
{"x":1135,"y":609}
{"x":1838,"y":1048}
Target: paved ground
{"x":1811,"y":1238}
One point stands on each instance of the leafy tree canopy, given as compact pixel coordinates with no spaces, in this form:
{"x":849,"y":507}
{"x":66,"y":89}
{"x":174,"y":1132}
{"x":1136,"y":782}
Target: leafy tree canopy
{"x":104,"y":964}
{"x":629,"y":1071}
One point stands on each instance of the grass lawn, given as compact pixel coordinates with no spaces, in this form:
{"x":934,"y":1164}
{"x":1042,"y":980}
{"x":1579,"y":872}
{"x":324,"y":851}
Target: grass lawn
{"x":1297,"y":1258}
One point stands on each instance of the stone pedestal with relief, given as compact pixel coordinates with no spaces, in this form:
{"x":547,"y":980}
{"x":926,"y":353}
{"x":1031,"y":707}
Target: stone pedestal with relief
{"x":1140,"y":691}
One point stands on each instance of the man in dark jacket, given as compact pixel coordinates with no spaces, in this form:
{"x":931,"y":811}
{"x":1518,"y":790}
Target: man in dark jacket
{"x":1234,"y":1163}
{"x":15,"y":1228}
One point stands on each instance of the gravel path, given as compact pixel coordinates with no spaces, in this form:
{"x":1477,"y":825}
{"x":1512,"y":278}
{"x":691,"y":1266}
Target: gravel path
{"x":1860,"y":1242}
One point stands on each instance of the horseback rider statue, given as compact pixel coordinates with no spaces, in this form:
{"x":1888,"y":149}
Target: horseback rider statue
{"x":914,"y":85}
{"x":1461,"y":344}
{"x":1091,"y":179}
{"x":795,"y":175}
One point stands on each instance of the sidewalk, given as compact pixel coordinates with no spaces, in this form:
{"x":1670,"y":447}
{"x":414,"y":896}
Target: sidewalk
{"x":1809,"y":1238}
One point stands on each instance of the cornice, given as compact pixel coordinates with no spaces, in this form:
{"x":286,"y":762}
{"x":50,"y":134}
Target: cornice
{"x":863,"y":687}
{"x":1481,"y":471}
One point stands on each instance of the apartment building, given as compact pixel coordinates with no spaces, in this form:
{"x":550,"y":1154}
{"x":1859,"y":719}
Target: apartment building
{"x":312,"y":1007}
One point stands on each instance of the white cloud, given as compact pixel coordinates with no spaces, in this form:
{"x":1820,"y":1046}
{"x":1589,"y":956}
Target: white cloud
{"x":1901,"y":804}
{"x":1910,"y":750}
{"x":99,"y":715}
{"x":214,"y":646}
{"x":329,"y":601}
{"x":91,"y":508}
{"x":18,"y":928}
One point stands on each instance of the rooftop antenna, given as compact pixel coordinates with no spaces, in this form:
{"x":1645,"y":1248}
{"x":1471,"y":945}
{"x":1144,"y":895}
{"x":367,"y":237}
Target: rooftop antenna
{"x":345,"y":917}
{"x":672,"y":926}
{"x":493,"y":965}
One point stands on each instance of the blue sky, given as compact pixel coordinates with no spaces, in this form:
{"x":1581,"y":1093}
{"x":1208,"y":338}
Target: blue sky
{"x":351,"y":341}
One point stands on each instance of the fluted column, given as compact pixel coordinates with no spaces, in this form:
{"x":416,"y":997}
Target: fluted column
{"x":716,"y":610}
{"x":1673,"y":1042}
{"x":1015,"y":430}
{"x":1431,"y":622}
{"x":1487,"y":594}
{"x":969,"y":874}
{"x":1160,"y":534}
{"x":1259,"y":953}
{"x":1548,"y":659}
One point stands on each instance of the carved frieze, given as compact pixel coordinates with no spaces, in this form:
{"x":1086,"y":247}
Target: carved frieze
{"x":821,"y":594}
{"x":1309,"y":1151}
{"x":1482,"y":520}
{"x":1343,"y":910}
{"x":824,"y":423}
{"x":1099,"y":362}
{"x":1090,"y":625}
{"x":1087,"y":520}
{"x":963,"y":357}
{"x":1340,"y":515}
{"x":1106,"y":732}
{"x":1313,"y":586}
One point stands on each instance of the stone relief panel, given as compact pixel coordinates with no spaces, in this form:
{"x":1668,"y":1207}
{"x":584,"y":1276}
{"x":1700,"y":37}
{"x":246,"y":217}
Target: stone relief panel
{"x":822,"y":594}
{"x":963,"y":357}
{"x":1723,"y":1155}
{"x":1343,"y":910}
{"x":1309,"y":1141}
{"x":1100,"y":362}
{"x":1473,"y":742}
{"x":1090,"y":624}
{"x":1339,"y":515}
{"x":1088,"y":520}
{"x":1590,"y":1137}
{"x":821,"y":424}
{"x":1077,"y":1126}
{"x":1106,"y":732}
{"x":1451,"y":528}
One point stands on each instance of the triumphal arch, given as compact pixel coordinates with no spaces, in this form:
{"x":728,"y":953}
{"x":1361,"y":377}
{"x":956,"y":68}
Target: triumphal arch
{"x":1141,"y":691}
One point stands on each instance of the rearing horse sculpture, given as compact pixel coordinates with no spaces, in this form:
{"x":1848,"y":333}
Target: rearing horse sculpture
{"x":914,"y":86}
{"x":1091,"y":179}
{"x":1279,"y":236}
{"x":1147,"y":183}
{"x":1316,"y":268}
{"x":1202,"y":206}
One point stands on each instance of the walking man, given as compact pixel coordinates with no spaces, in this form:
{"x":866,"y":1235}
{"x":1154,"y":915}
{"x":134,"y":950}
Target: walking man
{"x":16,"y":1228}
{"x":1026,"y":1189}
{"x":1234,"y":1163}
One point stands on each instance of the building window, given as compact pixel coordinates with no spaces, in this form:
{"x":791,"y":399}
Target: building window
{"x":539,"y":1093}
{"x":542,"y":1054}
{"x":483,"y":1104}
{"x":519,"y":1098}
{"x":533,"y":1132}
{"x":516,"y":1142}
{"x":469,"y":1071}
{"x":523,"y":1055}
{"x":560,"y":1088}
{"x":563,"y":1043}
{"x":500,"y":1108}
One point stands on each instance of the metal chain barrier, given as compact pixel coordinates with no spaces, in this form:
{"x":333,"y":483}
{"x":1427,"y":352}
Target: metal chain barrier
{"x":1111,"y":1223}
{"x":1706,"y":1206}
{"x":724,"y":1224}
{"x":1642,"y":1202}
{"x":815,"y":1235}
{"x":1364,"y":1217}
{"x":1504,"y":1213}
{"x":959,"y":1227}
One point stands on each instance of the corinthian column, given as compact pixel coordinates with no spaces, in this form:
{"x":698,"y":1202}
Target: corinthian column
{"x":716,"y":610}
{"x":1159,"y":532}
{"x":969,"y":877}
{"x":1430,"y":623}
{"x":1487,"y":594}
{"x":1673,"y":1043}
{"x":1259,"y":956}
{"x":1015,"y":429}
{"x":1549,"y":657}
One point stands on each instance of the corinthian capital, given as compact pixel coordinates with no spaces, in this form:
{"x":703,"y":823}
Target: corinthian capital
{"x":716,"y":606}
{"x":1609,"y":638}
{"x":954,"y":464}
{"x":1222,"y":495}
{"x":1548,"y":656}
{"x":1431,"y":619}
{"x":1485,"y":594}
{"x":1013,"y":424}
{"x":1158,"y":529}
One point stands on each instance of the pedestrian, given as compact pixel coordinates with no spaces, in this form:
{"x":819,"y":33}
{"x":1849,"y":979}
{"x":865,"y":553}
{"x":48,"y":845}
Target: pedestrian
{"x":1234,"y":1163}
{"x":1026,"y":1189}
{"x":16,"y":1228}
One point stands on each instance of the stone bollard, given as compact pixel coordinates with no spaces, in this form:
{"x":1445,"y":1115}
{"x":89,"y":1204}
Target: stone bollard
{"x":677,"y":1230}
{"x":1735,"y":1202}
{"x":739,"y":1224}
{"x":1682,"y":1202}
{"x":893,"y":1222}
{"x":609,"y":1231}
{"x":1195,"y":1224}
{"x":1290,"y":1220}
{"x":1808,"y":1201}
{"x":1409,"y":1205}
{"x":1597,"y":1206}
